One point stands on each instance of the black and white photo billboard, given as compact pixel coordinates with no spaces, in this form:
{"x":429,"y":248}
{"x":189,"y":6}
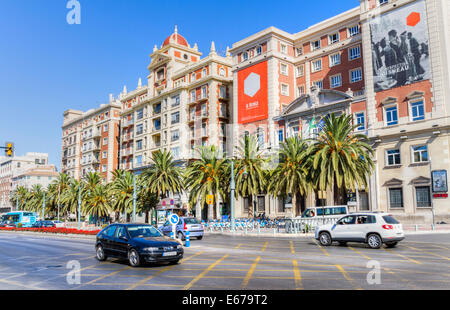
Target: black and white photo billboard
{"x":400,"y":54}
{"x":439,"y":181}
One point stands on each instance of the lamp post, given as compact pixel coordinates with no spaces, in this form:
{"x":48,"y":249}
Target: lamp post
{"x":43,"y":208}
{"x":232,"y":189}
{"x":59,"y":195}
{"x":17,"y":201}
{"x":79,"y":208}
{"x":134,"y":198}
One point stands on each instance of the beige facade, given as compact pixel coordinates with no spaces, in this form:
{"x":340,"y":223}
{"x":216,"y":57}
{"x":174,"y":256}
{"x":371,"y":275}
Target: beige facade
{"x":89,"y":141}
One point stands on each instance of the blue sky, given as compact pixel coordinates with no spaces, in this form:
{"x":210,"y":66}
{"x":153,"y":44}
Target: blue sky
{"x":48,"y":66}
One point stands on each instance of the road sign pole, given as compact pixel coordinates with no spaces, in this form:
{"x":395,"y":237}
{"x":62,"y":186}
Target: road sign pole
{"x":232,"y":189}
{"x":79,"y":208}
{"x":188,"y":241}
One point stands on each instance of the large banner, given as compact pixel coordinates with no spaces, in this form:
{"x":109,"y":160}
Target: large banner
{"x":253,"y":94}
{"x":400,"y":53}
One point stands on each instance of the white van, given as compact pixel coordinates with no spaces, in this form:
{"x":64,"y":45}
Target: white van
{"x":328,"y":211}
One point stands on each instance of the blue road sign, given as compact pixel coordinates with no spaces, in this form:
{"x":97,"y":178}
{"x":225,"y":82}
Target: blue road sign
{"x":174,"y":219}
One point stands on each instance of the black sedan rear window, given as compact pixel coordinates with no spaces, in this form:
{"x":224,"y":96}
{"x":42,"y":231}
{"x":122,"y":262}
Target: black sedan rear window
{"x":390,"y":220}
{"x":143,"y":231}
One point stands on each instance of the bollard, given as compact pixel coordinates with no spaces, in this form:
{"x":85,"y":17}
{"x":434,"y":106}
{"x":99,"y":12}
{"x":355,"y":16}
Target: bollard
{"x":432,"y":226}
{"x":259,"y":229}
{"x":245,"y":229}
{"x":171,"y":235}
{"x":274,"y":231}
{"x":417,"y":227}
{"x":221,"y":229}
{"x":188,"y":241}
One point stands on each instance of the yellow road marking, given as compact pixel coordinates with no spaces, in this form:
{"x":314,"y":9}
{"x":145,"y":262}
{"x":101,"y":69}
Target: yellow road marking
{"x":190,"y":284}
{"x":346,"y":276}
{"x":291,"y":245}
{"x":239,"y":245}
{"x":30,"y":287}
{"x":250,"y":273}
{"x":400,"y":278}
{"x":107,"y":275}
{"x":321,"y":248}
{"x":363,"y":255}
{"x":403,"y":256}
{"x":265,"y":246}
{"x":430,"y":253}
{"x":297,"y":275}
{"x":143,"y":281}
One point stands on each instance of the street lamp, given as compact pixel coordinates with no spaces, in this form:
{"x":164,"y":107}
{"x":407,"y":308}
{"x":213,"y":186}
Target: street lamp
{"x":43,"y":208}
{"x":134,"y":198}
{"x":79,"y":208}
{"x":232,"y":189}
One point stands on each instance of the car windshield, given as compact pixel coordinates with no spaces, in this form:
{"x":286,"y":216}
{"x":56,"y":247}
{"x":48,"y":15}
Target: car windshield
{"x":191,"y":221}
{"x":390,"y":220}
{"x":143,"y":231}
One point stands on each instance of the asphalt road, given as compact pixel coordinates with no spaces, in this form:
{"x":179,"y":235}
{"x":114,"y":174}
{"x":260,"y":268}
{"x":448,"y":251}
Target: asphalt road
{"x":226,"y":262}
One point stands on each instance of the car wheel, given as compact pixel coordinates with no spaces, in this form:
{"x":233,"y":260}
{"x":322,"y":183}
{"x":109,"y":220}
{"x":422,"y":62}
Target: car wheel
{"x":180,"y":236}
{"x":374,"y":241}
{"x":325,"y":239}
{"x":100,"y":253}
{"x":391,"y":244}
{"x":200,"y":238}
{"x":342,"y":243}
{"x":133,"y":258}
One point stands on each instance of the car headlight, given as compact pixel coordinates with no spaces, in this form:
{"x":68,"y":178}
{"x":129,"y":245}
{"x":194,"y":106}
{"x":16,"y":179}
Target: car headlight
{"x":150,"y":249}
{"x":179,"y":246}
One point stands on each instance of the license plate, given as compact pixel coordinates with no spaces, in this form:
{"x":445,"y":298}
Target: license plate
{"x":170,"y":254}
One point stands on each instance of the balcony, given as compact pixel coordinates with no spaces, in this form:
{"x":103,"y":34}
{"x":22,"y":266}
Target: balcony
{"x":96,"y":134}
{"x":223,"y":114}
{"x":224,"y":96}
{"x":127,"y":137}
{"x":203,"y":97}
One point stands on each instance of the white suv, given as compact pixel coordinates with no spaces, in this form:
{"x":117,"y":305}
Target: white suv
{"x":371,"y":228}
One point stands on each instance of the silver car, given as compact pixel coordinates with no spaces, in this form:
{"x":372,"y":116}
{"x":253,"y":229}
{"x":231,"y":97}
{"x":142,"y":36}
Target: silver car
{"x":190,"y":224}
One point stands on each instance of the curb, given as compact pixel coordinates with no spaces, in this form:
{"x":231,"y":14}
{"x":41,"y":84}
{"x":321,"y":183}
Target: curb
{"x":50,"y":235}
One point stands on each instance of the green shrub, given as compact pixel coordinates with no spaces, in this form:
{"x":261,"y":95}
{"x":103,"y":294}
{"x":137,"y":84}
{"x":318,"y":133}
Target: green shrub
{"x":19,"y":225}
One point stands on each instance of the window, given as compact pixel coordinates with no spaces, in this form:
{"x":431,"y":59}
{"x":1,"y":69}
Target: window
{"x":318,"y":84}
{"x":316,"y":65}
{"x":222,"y":91}
{"x":160,"y":75}
{"x":298,"y":51}
{"x":391,"y":116}
{"x":105,"y":129}
{"x":393,"y":157}
{"x":139,"y":160}
{"x":222,"y":72}
{"x":105,"y":141}
{"x":360,"y":120}
{"x":300,"y":90}
{"x":300,"y":70}
{"x":204,"y":111}
{"x":175,"y":118}
{"x":419,"y":154}
{"x":284,"y":89}
{"x":139,"y":129}
{"x":204,"y":92}
{"x":261,"y":204}
{"x":284,"y":69}
{"x":417,"y":111}
{"x":335,"y":60}
{"x":176,"y":101}
{"x":354,"y":52}
{"x":260,"y":137}
{"x":193,"y":96}
{"x":104,"y":168}
{"x":104,"y":154}
{"x":423,"y":197}
{"x":395,"y":198}
{"x":333,"y":38}
{"x":140,"y":114}
{"x":280,"y":135}
{"x":315,"y":45}
{"x":204,"y":72}
{"x":175,"y":135}
{"x":176,"y":152}
{"x":139,"y":145}
{"x":245,"y":56}
{"x":259,"y":50}
{"x":381,"y":2}
{"x":356,"y":75}
{"x":353,"y":31}
{"x":336,"y":81}
{"x":283,"y":48}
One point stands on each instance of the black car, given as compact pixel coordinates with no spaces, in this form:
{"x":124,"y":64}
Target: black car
{"x":43,"y":224}
{"x":139,"y":243}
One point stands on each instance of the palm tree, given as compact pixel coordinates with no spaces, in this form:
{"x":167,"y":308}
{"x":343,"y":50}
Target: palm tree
{"x":121,"y":190}
{"x":20,"y":195}
{"x":164,"y":176}
{"x":290,"y":175}
{"x":69,"y":197}
{"x":98,"y":202}
{"x":60,"y":185}
{"x":204,"y":177}
{"x":250,"y":172}
{"x":91,"y":180}
{"x":341,"y":158}
{"x":36,"y":198}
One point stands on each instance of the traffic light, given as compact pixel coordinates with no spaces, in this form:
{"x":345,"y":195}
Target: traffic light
{"x":9,"y":151}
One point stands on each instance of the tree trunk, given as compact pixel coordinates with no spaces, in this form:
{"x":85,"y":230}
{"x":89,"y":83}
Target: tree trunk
{"x":294,"y":205}
{"x":210,"y":212}
{"x":146,"y":217}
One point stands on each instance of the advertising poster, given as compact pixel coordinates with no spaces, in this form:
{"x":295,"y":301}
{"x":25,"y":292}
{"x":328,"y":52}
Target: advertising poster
{"x":400,"y":54}
{"x":439,"y":179}
{"x":252,"y":94}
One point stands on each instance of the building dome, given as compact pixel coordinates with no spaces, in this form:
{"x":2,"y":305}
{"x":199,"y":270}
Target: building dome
{"x":176,"y":38}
